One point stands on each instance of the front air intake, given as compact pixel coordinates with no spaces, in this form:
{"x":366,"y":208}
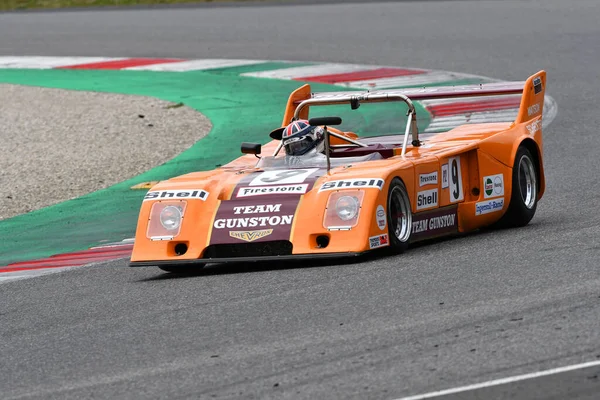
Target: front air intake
{"x":261,"y":249}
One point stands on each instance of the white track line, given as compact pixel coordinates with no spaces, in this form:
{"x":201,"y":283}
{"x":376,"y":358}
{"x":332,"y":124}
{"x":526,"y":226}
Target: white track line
{"x":502,"y":381}
{"x":310,"y":70}
{"x":49,"y":62}
{"x":408,"y":80}
{"x":195,"y":65}
{"x":24,"y":274}
{"x":114,"y":244}
{"x":550,"y":111}
{"x":447,"y":122}
{"x":440,"y":124}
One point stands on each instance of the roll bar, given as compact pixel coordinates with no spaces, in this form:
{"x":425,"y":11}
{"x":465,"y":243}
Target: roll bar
{"x":355,"y":100}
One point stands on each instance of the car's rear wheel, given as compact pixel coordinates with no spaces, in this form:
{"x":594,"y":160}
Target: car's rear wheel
{"x":182,"y":269}
{"x":399,"y":216}
{"x":524,"y":196}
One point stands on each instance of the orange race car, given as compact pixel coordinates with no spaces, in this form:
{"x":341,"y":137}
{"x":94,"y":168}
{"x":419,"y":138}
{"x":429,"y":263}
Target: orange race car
{"x":356,"y":194}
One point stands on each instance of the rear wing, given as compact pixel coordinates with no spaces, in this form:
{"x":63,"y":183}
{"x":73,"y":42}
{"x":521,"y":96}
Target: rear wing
{"x":532,"y":99}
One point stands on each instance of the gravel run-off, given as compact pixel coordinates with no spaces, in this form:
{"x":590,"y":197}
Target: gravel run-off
{"x":60,"y":144}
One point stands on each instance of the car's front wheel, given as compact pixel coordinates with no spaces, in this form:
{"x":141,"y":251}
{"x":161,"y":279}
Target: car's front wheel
{"x":399,"y":216}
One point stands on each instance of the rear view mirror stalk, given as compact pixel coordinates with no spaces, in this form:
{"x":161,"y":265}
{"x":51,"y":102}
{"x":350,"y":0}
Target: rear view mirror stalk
{"x":251,"y":148}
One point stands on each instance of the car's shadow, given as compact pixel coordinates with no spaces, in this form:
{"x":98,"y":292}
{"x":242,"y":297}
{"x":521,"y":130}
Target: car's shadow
{"x":263,"y":266}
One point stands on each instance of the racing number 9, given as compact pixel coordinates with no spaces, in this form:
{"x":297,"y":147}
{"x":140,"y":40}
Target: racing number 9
{"x":455,"y":182}
{"x":456,"y":190}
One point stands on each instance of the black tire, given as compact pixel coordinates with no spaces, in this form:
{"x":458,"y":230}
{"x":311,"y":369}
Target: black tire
{"x":182,"y":269}
{"x":525,"y":189}
{"x":399,"y":216}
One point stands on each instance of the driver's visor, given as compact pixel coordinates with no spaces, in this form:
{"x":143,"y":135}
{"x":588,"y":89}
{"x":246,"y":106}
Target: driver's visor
{"x":298,"y":146}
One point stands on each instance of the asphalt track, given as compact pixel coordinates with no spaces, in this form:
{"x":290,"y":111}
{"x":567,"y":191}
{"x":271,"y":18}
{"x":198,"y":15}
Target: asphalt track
{"x":447,"y":314}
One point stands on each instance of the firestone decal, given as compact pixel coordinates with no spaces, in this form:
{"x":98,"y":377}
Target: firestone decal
{"x":486,"y":207}
{"x":379,"y":241}
{"x":427,"y":199}
{"x":187,"y":194}
{"x":428,"y":179}
{"x":266,"y":190}
{"x":250,"y":236}
{"x":493,"y":186}
{"x":360,"y":183}
{"x":380,"y":216}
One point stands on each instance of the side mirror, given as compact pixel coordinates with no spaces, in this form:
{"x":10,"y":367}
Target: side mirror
{"x":251,"y":148}
{"x":325,"y":121}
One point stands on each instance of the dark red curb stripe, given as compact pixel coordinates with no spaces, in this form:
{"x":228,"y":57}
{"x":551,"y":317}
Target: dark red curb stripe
{"x":361,"y":75}
{"x":442,"y":110}
{"x":59,"y":263}
{"x":69,"y":260}
{"x":74,"y":259}
{"x":120,"y":64}
{"x":17,"y":269}
{"x":58,"y":257}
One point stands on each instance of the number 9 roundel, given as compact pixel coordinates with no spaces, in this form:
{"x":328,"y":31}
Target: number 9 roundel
{"x":456,"y":187}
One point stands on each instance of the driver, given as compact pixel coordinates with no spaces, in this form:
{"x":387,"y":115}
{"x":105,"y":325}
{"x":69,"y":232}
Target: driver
{"x":300,"y":138}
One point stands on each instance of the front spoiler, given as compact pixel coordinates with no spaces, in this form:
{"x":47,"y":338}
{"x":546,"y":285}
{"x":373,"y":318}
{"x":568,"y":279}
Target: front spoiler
{"x":315,"y":256}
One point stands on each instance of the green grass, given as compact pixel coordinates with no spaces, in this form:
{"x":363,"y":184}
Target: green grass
{"x":6,"y":5}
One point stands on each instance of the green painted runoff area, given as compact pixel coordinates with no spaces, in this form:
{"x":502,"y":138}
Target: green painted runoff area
{"x":240,"y":109}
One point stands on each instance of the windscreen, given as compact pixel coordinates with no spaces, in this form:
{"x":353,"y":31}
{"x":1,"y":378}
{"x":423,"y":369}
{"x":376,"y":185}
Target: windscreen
{"x":439,"y":115}
{"x":313,"y":160}
{"x":371,"y":119}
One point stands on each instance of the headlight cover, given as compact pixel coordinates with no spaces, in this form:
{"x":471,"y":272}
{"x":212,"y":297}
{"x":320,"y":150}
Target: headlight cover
{"x":347,"y":207}
{"x":170,"y":217}
{"x":165,"y":219}
{"x":343,"y":209}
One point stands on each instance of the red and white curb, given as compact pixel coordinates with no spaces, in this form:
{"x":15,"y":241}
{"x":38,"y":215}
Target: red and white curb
{"x":366,"y":77}
{"x":61,"y":262}
{"x":354,"y":76}
{"x":107,"y":63}
{"x":445,"y":114}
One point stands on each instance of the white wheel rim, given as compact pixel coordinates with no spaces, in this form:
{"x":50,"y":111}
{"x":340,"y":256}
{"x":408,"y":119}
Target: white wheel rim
{"x":400,"y":214}
{"x":527,"y":182}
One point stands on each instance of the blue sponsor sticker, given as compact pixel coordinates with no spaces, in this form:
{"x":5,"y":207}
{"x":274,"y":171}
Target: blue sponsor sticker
{"x":486,"y":207}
